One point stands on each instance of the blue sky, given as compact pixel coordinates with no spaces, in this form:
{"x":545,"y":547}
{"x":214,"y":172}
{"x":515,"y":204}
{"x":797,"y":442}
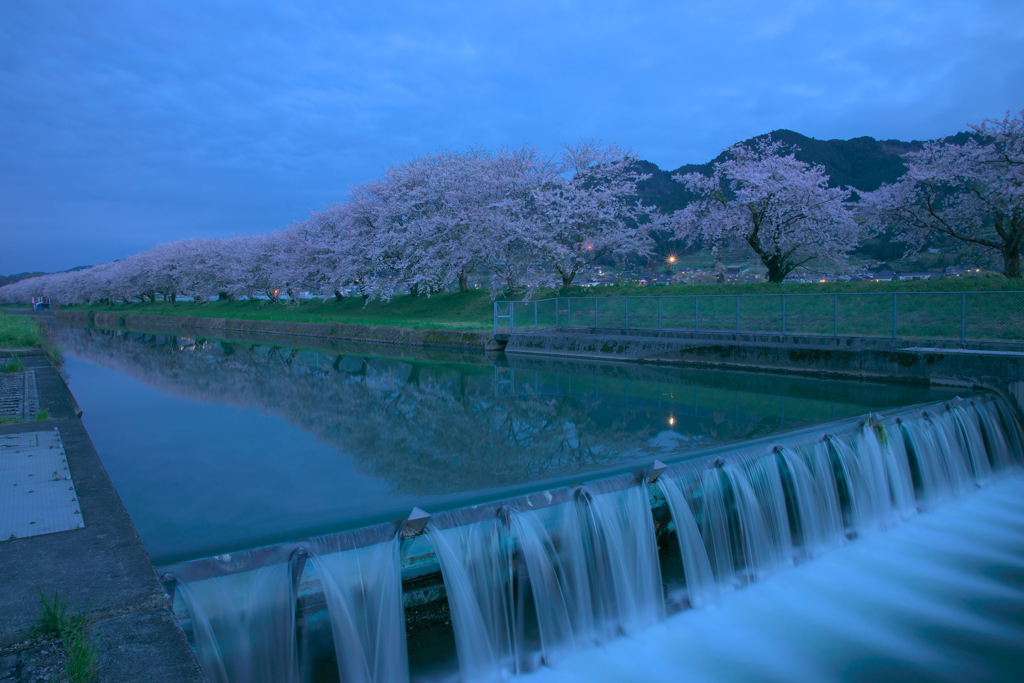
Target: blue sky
{"x":128,"y":124}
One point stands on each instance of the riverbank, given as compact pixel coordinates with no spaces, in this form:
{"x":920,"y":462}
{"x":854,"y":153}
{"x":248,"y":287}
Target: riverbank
{"x":97,"y":565}
{"x":21,"y":335}
{"x":224,"y":326}
{"x":474,"y":310}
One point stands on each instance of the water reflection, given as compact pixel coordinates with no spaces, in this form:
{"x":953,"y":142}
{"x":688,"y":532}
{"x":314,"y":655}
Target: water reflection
{"x":435,"y":423}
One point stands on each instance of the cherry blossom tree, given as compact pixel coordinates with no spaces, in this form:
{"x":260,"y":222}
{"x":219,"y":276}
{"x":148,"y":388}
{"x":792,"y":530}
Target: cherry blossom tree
{"x":507,"y":228}
{"x":781,"y":208}
{"x":590,"y":210}
{"x":444,"y":199}
{"x":423,"y":225}
{"x":972,"y":192}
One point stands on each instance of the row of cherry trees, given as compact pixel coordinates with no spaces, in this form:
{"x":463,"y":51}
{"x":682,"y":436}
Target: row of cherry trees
{"x":526,"y":220}
{"x":523,"y":219}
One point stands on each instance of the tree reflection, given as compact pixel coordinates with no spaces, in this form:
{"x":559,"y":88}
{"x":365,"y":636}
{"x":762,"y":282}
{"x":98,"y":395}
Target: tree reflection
{"x":433,"y":427}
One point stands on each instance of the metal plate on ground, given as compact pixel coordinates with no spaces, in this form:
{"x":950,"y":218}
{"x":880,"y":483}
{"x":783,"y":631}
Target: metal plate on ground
{"x":37,"y":495}
{"x":18,"y":396}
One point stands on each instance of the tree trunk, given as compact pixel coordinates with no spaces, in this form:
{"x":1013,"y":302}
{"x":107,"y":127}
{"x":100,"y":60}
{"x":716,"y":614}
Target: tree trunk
{"x":567,"y":279}
{"x":463,"y":282}
{"x":775,"y":273}
{"x":338,"y":295}
{"x":1011,"y":261}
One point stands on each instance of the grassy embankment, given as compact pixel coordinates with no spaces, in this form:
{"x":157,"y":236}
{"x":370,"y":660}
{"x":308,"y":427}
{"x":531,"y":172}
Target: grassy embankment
{"x":474,"y":310}
{"x":22,"y":332}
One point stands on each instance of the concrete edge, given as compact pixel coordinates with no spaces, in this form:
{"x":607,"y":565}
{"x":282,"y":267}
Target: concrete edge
{"x":429,"y":338}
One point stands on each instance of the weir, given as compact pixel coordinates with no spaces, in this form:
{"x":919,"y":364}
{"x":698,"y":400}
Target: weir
{"x":533,"y":578}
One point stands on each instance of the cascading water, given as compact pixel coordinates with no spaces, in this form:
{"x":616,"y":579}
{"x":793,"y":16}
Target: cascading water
{"x":363,"y":589}
{"x":244,"y":625}
{"x":589,"y":563}
{"x":815,"y":514}
{"x":476,"y":578}
{"x":701,"y":587}
{"x":531,"y":579}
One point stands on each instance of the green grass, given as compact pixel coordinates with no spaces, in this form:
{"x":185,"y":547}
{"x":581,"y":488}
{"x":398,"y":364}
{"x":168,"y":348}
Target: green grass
{"x":42,"y":416}
{"x":12,"y":365}
{"x":57,"y":621}
{"x":21,"y":332}
{"x":474,"y":310}
{"x":990,"y":316}
{"x":443,"y":311}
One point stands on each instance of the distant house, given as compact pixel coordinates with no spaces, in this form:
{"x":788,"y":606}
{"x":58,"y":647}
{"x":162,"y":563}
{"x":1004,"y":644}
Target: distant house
{"x":882,"y":276}
{"x":917,"y":276}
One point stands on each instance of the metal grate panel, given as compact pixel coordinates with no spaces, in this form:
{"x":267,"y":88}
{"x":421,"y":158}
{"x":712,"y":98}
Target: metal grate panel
{"x":37,"y":495}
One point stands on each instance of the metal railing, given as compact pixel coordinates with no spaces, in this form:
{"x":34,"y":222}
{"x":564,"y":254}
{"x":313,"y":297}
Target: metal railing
{"x":950,"y":316}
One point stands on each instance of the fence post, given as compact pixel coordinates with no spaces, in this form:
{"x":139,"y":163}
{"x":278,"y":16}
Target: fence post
{"x":737,"y":313}
{"x":783,"y":314}
{"x":894,"y":315}
{"x":963,"y":315}
{"x":696,"y":313}
{"x":659,"y":312}
{"x":558,"y":305}
{"x":568,"y":310}
{"x":495,"y":316}
{"x":595,"y":311}
{"x":835,"y":316}
{"x":511,"y":316}
{"x":626,"y":299}
{"x":534,"y":314}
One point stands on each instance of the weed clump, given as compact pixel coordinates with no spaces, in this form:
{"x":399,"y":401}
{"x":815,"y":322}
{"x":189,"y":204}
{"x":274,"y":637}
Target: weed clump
{"x":56,"y":620}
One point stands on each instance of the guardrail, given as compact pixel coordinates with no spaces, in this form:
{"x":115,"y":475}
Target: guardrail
{"x":951,"y":316}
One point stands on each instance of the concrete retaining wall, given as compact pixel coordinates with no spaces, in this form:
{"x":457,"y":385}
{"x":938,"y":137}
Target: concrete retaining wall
{"x":380,"y":334}
{"x":999,"y":371}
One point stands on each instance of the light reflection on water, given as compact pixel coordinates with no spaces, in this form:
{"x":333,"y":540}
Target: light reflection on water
{"x":216,"y":446}
{"x":940,"y":598}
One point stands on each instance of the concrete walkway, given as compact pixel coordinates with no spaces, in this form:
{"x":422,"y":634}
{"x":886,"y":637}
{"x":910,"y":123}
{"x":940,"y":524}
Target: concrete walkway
{"x":102,"y":567}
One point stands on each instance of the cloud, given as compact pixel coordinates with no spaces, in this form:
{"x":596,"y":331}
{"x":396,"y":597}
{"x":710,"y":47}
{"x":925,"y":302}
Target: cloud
{"x":125,"y":124}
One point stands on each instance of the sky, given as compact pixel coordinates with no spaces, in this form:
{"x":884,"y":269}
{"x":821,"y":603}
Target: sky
{"x":126,"y":124}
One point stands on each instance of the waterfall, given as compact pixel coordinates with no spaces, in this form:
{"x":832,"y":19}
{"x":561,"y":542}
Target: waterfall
{"x":552,"y":546}
{"x":244,"y":625}
{"x":363,"y":589}
{"x":745,"y":514}
{"x":815,"y":507}
{"x":1001,"y":434}
{"x":972,"y":441}
{"x":622,"y":554}
{"x":700,"y":580}
{"x":534,"y":578}
{"x":897,"y":468}
{"x":588,"y":563}
{"x":474,"y":567}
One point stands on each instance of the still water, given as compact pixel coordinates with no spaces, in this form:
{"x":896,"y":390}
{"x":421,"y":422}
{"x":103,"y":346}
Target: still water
{"x":220,"y":445}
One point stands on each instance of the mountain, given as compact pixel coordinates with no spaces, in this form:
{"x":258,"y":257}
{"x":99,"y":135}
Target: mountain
{"x":861,"y":163}
{"x":17,"y":277}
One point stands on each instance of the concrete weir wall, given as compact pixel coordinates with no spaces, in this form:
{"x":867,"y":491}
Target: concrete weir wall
{"x":913,"y":362}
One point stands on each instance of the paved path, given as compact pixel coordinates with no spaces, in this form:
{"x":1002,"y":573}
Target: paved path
{"x":103,"y":566}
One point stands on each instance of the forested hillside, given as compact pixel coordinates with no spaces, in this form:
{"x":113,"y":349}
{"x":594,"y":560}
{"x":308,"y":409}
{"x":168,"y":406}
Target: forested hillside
{"x":862,"y":163}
